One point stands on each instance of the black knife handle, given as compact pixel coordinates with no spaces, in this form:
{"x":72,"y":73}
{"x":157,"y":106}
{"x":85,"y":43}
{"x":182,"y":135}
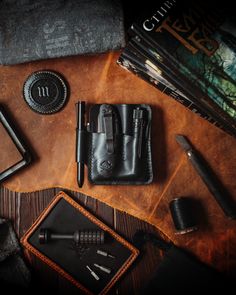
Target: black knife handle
{"x":213,"y":184}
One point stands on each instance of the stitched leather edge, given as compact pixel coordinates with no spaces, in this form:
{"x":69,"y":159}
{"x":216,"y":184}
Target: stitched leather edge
{"x":53,"y":265}
{"x":148,"y":168}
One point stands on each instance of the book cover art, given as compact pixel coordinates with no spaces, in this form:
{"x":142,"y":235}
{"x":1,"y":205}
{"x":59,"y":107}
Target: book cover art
{"x":139,"y":52}
{"x":170,"y":70}
{"x":217,"y":75}
{"x":200,"y":39}
{"x":139,"y":64}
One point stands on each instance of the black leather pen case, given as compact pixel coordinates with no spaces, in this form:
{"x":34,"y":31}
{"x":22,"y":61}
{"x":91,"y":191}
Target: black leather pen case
{"x":119,"y":144}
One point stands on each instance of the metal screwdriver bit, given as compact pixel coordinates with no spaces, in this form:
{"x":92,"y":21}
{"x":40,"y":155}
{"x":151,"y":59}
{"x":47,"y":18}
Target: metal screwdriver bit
{"x":93,"y":273}
{"x":103,"y":268}
{"x":103,"y":253}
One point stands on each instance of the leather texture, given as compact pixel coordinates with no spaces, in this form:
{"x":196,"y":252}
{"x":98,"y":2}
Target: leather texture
{"x":119,"y":152}
{"x":7,"y":144}
{"x":98,"y":79}
{"x":57,"y":217}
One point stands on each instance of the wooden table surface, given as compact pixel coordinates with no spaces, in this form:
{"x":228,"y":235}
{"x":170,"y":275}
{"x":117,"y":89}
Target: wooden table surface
{"x":23,"y":209}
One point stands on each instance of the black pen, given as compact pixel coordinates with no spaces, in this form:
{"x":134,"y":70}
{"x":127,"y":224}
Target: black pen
{"x":209,"y":178}
{"x":80,"y":141}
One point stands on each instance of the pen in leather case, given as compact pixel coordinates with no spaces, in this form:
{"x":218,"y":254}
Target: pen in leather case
{"x":208,"y":177}
{"x":80,"y":141}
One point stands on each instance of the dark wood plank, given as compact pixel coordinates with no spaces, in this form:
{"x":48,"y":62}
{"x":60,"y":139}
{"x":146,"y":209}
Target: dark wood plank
{"x":10,"y":207}
{"x":139,"y":275}
{"x":106,"y":213}
{"x":24,"y":208}
{"x":31,"y":207}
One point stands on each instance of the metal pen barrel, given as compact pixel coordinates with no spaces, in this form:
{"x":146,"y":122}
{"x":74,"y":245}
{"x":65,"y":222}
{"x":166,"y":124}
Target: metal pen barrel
{"x":80,"y":141}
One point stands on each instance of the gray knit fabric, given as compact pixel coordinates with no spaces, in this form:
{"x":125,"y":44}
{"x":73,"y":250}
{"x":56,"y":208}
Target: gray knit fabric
{"x":13,"y":269}
{"x":40,"y":29}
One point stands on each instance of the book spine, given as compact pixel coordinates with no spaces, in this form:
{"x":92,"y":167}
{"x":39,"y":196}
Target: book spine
{"x":127,"y":63}
{"x":130,"y":63}
{"x":168,"y":66}
{"x":182,"y":70}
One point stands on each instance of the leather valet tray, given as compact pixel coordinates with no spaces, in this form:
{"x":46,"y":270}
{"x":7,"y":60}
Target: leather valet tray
{"x":64,"y":215}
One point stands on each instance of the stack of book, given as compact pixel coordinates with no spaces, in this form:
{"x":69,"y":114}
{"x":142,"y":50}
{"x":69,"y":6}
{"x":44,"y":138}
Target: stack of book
{"x":188,"y":51}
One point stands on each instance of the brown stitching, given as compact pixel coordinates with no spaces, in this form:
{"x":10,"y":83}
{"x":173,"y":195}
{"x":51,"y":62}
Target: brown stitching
{"x":41,"y":217}
{"x":55,"y":267}
{"x":60,"y":195}
{"x":98,"y":222}
{"x":122,"y":270}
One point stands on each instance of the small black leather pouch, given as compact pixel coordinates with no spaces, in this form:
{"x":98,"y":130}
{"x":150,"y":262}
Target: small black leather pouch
{"x":180,"y":272}
{"x":119,"y":142}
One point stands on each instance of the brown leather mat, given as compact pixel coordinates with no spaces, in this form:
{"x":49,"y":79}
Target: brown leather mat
{"x":98,"y":79}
